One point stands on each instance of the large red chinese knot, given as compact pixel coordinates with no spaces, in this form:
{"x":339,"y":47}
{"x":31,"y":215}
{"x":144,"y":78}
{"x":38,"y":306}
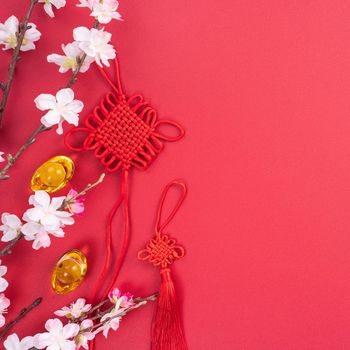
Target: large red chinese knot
{"x":123,"y":132}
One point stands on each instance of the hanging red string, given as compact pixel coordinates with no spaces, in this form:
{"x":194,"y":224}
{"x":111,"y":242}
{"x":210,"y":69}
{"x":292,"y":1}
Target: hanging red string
{"x":162,"y":251}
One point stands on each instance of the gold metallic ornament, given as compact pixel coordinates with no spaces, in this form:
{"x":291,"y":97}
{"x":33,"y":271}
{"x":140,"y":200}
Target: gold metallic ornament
{"x":53,"y":175}
{"x":69,"y":272}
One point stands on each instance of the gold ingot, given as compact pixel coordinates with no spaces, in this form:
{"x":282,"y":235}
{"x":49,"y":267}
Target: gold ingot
{"x":69,"y":272}
{"x":53,"y":175}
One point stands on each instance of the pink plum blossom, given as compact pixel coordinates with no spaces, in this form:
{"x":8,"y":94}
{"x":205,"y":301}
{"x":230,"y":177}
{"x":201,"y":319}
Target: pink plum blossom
{"x":75,"y":205}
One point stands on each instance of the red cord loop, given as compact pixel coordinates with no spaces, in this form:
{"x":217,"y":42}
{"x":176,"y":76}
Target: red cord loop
{"x":176,"y":183}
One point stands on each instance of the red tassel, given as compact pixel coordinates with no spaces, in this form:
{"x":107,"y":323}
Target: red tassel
{"x":167,"y":332}
{"x":162,"y":251}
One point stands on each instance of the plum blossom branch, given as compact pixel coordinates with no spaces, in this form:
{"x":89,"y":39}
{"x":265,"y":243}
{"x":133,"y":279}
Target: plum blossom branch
{"x":32,"y":138}
{"x":34,"y":229}
{"x":45,"y":126}
{"x":89,"y":187}
{"x":21,"y":315}
{"x":23,"y":27}
{"x":77,"y":330}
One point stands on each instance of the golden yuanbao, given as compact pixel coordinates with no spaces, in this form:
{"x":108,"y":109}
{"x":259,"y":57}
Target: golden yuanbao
{"x":69,"y":272}
{"x":53,"y":175}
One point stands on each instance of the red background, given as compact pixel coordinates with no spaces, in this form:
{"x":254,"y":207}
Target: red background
{"x":263,"y":89}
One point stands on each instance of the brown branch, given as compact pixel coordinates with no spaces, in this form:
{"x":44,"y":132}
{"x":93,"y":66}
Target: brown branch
{"x":21,"y":315}
{"x":23,"y":27}
{"x":8,"y":249}
{"x":11,"y":160}
{"x":41,"y":128}
{"x":89,"y":187}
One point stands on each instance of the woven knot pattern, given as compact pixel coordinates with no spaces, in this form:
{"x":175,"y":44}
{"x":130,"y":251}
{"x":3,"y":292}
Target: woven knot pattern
{"x":162,"y":251}
{"x":123,"y":133}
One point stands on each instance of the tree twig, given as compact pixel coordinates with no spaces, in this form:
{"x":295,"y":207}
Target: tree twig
{"x":7,"y":250}
{"x":89,"y":187}
{"x":23,"y":27}
{"x":13,"y":159}
{"x":21,"y":315}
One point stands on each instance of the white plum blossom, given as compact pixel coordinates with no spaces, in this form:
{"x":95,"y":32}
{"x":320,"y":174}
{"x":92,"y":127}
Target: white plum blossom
{"x":2,"y":159}
{"x":106,"y":10}
{"x":3,"y":283}
{"x":112,"y":321}
{"x":62,"y":107}
{"x":56,"y":3}
{"x":45,"y":218}
{"x":103,"y":10}
{"x":95,"y":43}
{"x":83,"y":338}
{"x":75,"y":310}
{"x":13,"y":343}
{"x":57,"y":336}
{"x":72,"y":53}
{"x":11,"y":227}
{"x":4,"y":304}
{"x":8,"y":35}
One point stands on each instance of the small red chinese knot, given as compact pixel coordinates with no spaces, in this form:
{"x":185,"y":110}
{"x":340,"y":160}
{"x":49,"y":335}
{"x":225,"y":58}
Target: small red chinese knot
{"x":162,"y":251}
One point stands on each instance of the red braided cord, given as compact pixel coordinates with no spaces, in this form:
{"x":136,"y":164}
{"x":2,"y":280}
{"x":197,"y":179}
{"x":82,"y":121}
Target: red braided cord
{"x":122,"y":199}
{"x":126,"y":238}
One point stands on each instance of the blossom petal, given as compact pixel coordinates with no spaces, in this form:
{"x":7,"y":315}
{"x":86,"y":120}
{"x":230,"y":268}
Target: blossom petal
{"x":81,"y":34}
{"x":48,"y":9}
{"x":31,"y":228}
{"x":42,"y":198}
{"x":56,"y":202}
{"x":51,"y":118}
{"x":50,"y":222}
{"x":45,"y":102}
{"x":42,"y":340}
{"x":12,"y":24}
{"x":3,"y":284}
{"x":65,"y":96}
{"x":70,"y":330}
{"x":33,"y":214}
{"x":9,"y":235}
{"x":27,"y":342}
{"x":57,"y":59}
{"x":12,"y":342}
{"x":42,"y":240}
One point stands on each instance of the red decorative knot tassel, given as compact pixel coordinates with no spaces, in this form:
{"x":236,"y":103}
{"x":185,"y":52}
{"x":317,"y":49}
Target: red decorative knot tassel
{"x":162,"y":251}
{"x":123,"y":132}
